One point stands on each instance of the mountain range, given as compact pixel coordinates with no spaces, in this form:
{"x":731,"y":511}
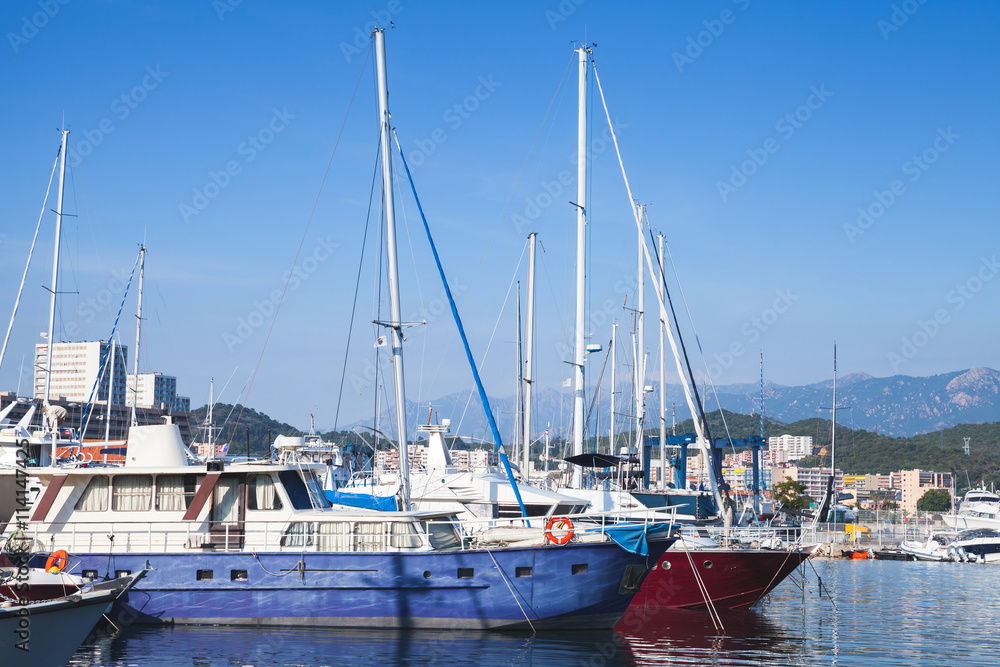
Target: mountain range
{"x":900,"y":405}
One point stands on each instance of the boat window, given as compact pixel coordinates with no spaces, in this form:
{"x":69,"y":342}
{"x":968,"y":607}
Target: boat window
{"x":579,"y":568}
{"x":299,"y":490}
{"x":204,"y":575}
{"x":299,"y":534}
{"x":522,"y":572}
{"x":466,"y":573}
{"x":95,"y":496}
{"x":368,"y":535}
{"x":404,"y":535}
{"x":316,"y":492}
{"x":131,"y":493}
{"x":261,"y":494}
{"x":334,"y":536}
{"x":174,"y":492}
{"x":443,"y":536}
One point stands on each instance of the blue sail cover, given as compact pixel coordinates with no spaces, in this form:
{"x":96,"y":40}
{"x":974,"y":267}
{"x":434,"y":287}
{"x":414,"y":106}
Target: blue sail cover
{"x":366,"y":501}
{"x":633,"y":537}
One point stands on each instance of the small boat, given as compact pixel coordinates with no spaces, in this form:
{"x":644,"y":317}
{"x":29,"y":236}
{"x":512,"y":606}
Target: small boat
{"x":979,"y":509}
{"x":46,"y":633}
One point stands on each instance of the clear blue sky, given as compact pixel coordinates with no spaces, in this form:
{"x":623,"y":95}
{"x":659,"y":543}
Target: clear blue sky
{"x":160,"y":96}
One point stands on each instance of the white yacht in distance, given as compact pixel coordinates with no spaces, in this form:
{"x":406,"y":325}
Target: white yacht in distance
{"x":979,"y":509}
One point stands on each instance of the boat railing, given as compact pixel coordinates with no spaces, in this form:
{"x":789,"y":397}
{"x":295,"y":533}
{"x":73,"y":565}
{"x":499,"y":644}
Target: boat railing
{"x":314,"y":532}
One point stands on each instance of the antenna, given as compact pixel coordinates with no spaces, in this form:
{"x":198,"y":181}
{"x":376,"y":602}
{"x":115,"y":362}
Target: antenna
{"x":966,"y":440}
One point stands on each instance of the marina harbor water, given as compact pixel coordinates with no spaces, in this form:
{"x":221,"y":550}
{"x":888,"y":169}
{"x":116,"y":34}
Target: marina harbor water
{"x":887,"y":613}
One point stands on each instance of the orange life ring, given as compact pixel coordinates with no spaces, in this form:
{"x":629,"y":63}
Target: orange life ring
{"x":559,"y":523}
{"x":57,"y":562}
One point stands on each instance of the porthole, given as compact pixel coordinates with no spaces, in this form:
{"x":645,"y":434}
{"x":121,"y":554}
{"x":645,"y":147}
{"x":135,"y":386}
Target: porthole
{"x":427,"y":574}
{"x":707,"y":564}
{"x":665,"y":564}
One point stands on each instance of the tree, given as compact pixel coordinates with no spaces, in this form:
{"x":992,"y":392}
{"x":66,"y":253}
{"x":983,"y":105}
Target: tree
{"x":791,"y":494}
{"x":934,"y":500}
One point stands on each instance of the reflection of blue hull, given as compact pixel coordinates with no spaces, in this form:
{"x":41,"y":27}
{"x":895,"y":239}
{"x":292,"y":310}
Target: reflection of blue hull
{"x":389,"y":589}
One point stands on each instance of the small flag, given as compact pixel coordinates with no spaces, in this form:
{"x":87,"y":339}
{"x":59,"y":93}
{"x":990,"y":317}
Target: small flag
{"x":567,"y":382}
{"x":381,"y":341}
{"x":224,"y":449}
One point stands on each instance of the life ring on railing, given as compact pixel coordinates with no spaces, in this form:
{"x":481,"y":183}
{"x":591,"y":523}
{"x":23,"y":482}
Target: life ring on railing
{"x":559,"y":524}
{"x":57,"y":562}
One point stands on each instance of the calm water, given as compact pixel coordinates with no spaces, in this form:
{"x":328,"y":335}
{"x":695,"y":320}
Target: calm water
{"x":882,"y":613}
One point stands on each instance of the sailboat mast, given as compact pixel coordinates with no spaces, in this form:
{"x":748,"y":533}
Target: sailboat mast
{"x":55,"y":279}
{"x":640,"y":337}
{"x":662,"y":350}
{"x":614,"y":381}
{"x":833,"y":434}
{"x":529,"y":349}
{"x":517,"y":421}
{"x":138,"y":330}
{"x":581,"y":255}
{"x":393,"y":268}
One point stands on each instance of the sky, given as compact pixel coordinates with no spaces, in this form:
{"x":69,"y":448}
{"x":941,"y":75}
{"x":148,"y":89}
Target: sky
{"x":821,"y":172}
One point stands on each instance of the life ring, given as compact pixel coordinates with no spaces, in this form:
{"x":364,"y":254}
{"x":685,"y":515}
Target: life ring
{"x":57,"y":562}
{"x":559,"y":524}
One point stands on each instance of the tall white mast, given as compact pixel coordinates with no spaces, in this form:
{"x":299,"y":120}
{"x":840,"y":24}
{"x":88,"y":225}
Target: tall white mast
{"x":396,"y":318}
{"x":532,"y":238}
{"x":211,"y":404}
{"x":581,"y":256}
{"x":662,"y":350}
{"x":55,"y":283}
{"x":138,"y":330}
{"x":640,"y":337}
{"x":614,"y":380}
{"x":833,"y":434}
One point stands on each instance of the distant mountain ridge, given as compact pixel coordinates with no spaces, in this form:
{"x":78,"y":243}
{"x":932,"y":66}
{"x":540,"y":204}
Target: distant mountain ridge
{"x":900,"y":405}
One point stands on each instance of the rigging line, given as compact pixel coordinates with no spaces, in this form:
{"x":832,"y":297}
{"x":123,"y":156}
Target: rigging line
{"x":586,"y":423}
{"x":496,"y":326}
{"x":357,"y":285}
{"x":284,"y":290}
{"x":27,"y":264}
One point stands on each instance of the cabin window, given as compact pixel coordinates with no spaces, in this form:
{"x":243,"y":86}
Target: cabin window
{"x":261,"y":494}
{"x":443,"y":536}
{"x":466,"y":573}
{"x":296,"y":489}
{"x":131,"y":493}
{"x":404,"y":535}
{"x":522,"y":572}
{"x":204,"y":575}
{"x":174,"y":493}
{"x":579,"y":568}
{"x":368,"y":535}
{"x":334,"y":536}
{"x":225,"y":501}
{"x":95,"y":496}
{"x":237,"y":575}
{"x":299,"y":534}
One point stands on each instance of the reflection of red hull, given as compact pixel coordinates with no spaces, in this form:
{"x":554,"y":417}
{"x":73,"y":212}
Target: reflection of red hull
{"x":733,"y":578}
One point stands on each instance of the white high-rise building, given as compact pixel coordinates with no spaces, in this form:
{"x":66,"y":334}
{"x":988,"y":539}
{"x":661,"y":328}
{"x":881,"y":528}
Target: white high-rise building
{"x":75,"y":368}
{"x":796,"y":446}
{"x":152,"y":390}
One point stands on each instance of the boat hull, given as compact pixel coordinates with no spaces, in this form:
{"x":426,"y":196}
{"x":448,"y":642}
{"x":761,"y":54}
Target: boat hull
{"x":423,"y":590}
{"x":733,"y":578}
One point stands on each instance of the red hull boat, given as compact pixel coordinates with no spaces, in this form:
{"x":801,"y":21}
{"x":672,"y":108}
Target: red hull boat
{"x":731,"y":578}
